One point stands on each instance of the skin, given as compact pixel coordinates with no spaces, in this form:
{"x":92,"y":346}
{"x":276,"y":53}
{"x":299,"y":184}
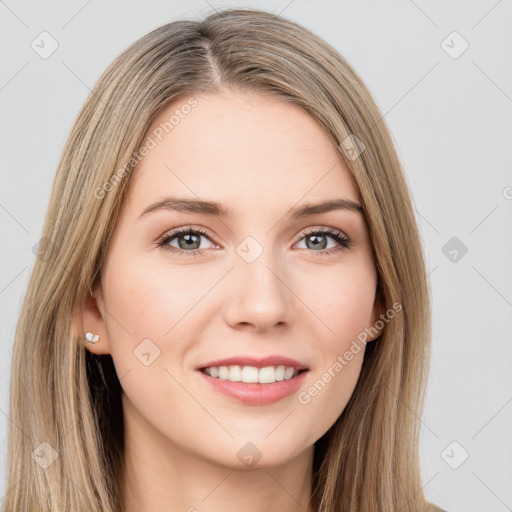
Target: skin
{"x":261,"y":157}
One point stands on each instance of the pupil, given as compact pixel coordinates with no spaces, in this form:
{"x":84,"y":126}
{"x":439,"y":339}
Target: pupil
{"x":188,"y":237}
{"x":316,"y":242}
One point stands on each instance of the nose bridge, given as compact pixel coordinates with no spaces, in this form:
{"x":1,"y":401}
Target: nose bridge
{"x":258,"y":285}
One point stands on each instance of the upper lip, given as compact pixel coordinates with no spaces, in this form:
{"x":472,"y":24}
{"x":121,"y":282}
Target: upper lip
{"x":258,"y":362}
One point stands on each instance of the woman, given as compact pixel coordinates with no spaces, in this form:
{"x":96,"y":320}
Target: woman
{"x":232,"y":309}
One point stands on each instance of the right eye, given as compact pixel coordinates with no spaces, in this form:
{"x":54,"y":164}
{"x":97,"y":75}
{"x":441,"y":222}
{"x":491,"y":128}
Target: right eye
{"x":191,"y":238}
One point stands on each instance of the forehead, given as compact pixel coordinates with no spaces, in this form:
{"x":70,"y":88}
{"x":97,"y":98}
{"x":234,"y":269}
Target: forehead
{"x":243,"y":148}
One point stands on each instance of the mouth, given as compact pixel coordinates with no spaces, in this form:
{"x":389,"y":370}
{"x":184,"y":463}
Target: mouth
{"x":253,"y":374}
{"x":254,"y":386}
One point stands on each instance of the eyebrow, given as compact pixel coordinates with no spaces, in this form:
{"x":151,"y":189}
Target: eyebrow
{"x":216,"y":209}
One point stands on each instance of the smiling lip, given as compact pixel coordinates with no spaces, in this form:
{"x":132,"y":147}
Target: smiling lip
{"x":256,"y":394}
{"x":257,"y":362}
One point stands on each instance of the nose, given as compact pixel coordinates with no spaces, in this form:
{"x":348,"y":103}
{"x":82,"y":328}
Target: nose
{"x":259,"y":295}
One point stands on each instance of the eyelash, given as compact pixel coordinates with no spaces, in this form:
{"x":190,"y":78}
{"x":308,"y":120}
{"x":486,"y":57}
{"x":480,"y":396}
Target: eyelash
{"x":343,"y":241}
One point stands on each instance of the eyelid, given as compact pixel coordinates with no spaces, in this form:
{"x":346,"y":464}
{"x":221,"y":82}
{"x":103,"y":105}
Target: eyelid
{"x":185,"y":229}
{"x":207,"y":233}
{"x":325,"y":229}
{"x":341,"y":239}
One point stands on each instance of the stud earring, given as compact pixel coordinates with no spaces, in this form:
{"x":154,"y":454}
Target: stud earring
{"x":92,"y":338}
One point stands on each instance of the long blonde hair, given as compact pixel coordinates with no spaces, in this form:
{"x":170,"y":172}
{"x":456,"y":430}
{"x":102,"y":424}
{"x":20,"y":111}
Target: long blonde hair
{"x":66,"y":429}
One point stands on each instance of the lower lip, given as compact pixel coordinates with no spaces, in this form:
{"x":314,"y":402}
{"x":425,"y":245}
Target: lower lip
{"x":256,"y":393}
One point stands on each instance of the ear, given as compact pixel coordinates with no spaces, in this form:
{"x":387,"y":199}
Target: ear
{"x":92,"y":319}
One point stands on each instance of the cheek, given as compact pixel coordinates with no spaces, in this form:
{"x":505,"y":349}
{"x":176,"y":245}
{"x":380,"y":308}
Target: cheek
{"x":344,"y":304}
{"x":149,"y":299}
{"x":150,"y":311}
{"x":343,"y":301}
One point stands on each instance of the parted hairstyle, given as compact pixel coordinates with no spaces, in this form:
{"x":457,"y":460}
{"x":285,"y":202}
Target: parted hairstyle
{"x":66,"y":401}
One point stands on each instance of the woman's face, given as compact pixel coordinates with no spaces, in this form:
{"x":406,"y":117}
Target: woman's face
{"x":257,"y":282}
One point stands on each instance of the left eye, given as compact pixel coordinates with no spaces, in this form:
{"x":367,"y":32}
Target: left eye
{"x":189,"y":240}
{"x":319,"y":236}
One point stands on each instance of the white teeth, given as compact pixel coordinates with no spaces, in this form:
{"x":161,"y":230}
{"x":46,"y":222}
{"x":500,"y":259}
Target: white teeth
{"x":235,"y":373}
{"x":267,"y":375}
{"x":280,"y":370}
{"x":288,"y":373}
{"x":251,"y":374}
{"x":223,"y":373}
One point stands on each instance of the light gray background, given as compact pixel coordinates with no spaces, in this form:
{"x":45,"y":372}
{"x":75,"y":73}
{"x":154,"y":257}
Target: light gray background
{"x":451,"y":119}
